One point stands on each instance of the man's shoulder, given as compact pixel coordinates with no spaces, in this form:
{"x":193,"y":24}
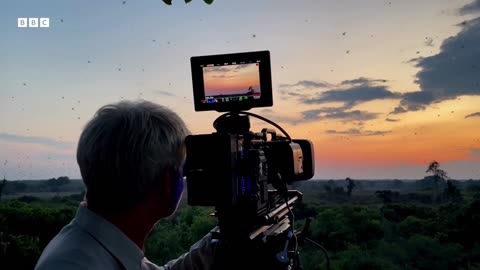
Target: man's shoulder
{"x":74,"y":248}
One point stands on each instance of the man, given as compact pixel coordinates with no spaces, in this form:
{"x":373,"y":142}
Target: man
{"x":130,"y":156}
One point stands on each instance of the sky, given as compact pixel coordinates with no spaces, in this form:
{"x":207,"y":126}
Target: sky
{"x":230,"y":80}
{"x":380,"y":87}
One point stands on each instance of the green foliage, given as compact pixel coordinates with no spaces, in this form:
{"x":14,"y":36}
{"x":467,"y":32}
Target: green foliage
{"x":410,"y":226}
{"x":398,"y":212}
{"x":387,"y":196}
{"x":371,"y":236}
{"x":429,"y":253}
{"x":26,"y":228}
{"x":19,"y":250}
{"x":303,"y":210}
{"x":356,"y":258}
{"x":172,"y":237}
{"x":397,"y":236}
{"x":338,"y":227}
{"x":452,"y":192}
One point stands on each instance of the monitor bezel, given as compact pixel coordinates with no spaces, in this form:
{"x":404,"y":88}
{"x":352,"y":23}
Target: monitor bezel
{"x":265,"y":100}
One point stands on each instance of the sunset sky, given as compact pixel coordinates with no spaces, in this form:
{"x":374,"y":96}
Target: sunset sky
{"x":381,"y":87}
{"x":233,"y":79}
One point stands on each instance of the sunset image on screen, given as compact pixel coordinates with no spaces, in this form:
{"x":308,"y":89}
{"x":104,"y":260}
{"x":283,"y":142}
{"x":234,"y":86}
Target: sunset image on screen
{"x":231,"y":80}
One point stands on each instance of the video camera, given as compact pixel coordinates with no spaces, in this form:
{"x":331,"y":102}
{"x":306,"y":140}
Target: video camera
{"x":243,"y":174}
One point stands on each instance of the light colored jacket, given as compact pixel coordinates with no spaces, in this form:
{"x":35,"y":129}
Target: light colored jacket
{"x":91,"y":242}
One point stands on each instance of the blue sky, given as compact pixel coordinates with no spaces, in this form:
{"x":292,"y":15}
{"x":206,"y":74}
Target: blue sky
{"x":96,"y":52}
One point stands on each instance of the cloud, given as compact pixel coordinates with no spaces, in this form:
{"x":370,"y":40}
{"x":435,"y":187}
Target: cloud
{"x":307,"y":84}
{"x":363,"y":80}
{"x":429,"y":42}
{"x":453,"y":72}
{"x":477,"y":114}
{"x":392,"y":120}
{"x":322,"y":114}
{"x":358,"y":132}
{"x":353,"y":115}
{"x":376,"y":133}
{"x":223,"y":76}
{"x":328,"y":113}
{"x":242,"y":66}
{"x":471,"y":8}
{"x":352,"y":131}
{"x":36,"y":140}
{"x":475,"y":152}
{"x":348,"y":92}
{"x":294,"y":94}
{"x":215,"y":69}
{"x":414,"y":101}
{"x":165,"y":93}
{"x":354,"y":95}
{"x":398,"y":110}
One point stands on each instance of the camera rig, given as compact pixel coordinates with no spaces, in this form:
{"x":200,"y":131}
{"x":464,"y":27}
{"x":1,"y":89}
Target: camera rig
{"x":245,"y":177}
{"x":244,"y":174}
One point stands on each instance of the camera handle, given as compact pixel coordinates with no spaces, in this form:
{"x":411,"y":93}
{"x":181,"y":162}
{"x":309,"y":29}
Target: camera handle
{"x":233,"y":123}
{"x":282,"y":256}
{"x":238,"y":122}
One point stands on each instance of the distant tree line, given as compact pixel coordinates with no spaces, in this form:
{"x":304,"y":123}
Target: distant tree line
{"x":55,"y":185}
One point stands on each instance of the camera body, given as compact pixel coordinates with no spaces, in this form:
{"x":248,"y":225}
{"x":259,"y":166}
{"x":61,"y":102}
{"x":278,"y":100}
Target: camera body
{"x":233,"y":170}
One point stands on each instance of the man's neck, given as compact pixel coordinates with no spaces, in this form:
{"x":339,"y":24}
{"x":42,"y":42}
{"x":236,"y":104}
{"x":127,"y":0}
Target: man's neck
{"x":134,"y":223}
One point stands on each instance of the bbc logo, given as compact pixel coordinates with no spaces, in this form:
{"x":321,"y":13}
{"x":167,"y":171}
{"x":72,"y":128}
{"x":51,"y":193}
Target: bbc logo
{"x":33,"y":22}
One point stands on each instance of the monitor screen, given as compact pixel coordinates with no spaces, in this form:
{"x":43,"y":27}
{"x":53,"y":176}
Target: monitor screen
{"x":232,"y":82}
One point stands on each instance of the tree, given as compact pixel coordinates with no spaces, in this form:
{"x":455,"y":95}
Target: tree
{"x":2,"y":186}
{"x":350,"y":186}
{"x":339,"y":191}
{"x":386,"y":195}
{"x":438,"y":174}
{"x":397,"y":183}
{"x":329,"y":186}
{"x":452,"y":192}
{"x":55,"y":184}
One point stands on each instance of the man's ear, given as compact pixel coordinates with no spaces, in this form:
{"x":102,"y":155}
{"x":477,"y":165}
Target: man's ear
{"x":164,"y":195}
{"x":84,"y":202}
{"x":175,"y":176}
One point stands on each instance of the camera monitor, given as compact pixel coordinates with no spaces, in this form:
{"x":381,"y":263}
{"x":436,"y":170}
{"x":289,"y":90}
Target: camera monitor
{"x":232,"y":82}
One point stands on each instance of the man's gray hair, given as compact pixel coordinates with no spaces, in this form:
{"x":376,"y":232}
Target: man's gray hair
{"x":125,"y":150}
